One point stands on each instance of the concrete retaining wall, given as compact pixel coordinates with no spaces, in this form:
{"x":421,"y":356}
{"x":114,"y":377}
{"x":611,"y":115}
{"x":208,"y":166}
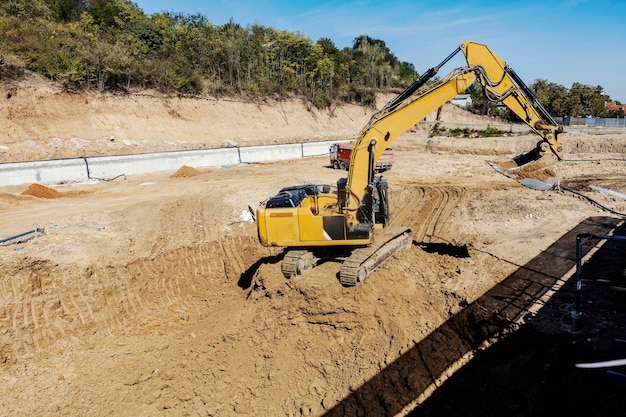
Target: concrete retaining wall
{"x":43,"y":172}
{"x":106,"y":167}
{"x":112,"y":166}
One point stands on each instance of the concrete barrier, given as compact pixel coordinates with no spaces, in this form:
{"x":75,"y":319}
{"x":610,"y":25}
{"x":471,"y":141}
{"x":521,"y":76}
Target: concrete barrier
{"x":106,"y":167}
{"x":112,"y":166}
{"x":270,"y":153}
{"x":43,"y":172}
{"x":316,"y":148}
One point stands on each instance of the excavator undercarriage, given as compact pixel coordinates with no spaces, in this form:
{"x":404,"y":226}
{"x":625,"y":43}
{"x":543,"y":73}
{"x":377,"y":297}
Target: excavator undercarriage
{"x":357,"y":263}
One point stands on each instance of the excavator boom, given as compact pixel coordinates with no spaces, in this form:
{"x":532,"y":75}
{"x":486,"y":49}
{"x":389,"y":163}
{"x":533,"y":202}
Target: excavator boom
{"x":500,"y":84}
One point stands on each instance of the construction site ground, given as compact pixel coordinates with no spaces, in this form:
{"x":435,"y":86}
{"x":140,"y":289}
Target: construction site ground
{"x":151,"y":296}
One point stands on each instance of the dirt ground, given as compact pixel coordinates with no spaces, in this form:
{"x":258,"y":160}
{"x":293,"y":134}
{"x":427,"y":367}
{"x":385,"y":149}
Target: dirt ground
{"x":150,"y":295}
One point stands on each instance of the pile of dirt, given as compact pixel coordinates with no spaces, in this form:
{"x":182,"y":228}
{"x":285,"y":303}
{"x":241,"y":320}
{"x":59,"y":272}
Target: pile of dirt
{"x":185,"y":171}
{"x":8,"y":197}
{"x":41,"y":191}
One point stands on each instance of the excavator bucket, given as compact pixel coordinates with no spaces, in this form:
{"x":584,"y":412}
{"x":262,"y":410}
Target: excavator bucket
{"x":532,"y":169}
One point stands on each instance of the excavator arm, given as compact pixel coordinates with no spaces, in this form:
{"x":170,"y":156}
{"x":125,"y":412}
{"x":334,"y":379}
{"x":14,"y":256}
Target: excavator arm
{"x":499,"y":83}
{"x":395,"y":119}
{"x":502,"y":85}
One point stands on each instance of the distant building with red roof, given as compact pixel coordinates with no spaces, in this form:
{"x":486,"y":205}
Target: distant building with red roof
{"x":612,"y":107}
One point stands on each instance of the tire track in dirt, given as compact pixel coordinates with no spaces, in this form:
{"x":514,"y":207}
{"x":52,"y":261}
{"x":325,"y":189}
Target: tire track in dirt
{"x":231,"y":251}
{"x":41,"y":303}
{"x":427,"y":210}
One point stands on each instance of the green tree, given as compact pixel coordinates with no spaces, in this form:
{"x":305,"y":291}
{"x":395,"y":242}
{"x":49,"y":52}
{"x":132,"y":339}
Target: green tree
{"x":373,"y":54}
{"x":406,"y":73}
{"x":552,"y":96}
{"x":600,"y":100}
{"x":26,"y":9}
{"x":68,"y":10}
{"x":584,"y":100}
{"x":113,"y":13}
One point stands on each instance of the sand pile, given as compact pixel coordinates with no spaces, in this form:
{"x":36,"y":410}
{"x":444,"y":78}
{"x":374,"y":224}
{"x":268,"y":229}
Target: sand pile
{"x":41,"y":191}
{"x":185,"y":171}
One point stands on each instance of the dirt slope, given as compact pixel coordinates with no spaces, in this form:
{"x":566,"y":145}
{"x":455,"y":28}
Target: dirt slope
{"x":151,"y":295}
{"x":40,"y":122}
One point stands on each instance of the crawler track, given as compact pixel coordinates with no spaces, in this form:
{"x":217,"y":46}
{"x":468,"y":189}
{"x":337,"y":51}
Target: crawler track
{"x":297,"y":261}
{"x":364,"y":261}
{"x":421,"y":218}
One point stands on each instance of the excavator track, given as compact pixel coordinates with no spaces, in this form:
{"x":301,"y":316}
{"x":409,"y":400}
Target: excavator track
{"x":363,"y":261}
{"x":297,"y":261}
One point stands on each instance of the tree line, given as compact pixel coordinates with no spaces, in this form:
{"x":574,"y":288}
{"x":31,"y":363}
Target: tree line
{"x":112,"y":45}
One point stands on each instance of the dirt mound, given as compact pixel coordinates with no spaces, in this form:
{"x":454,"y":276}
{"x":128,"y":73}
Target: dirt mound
{"x":185,"y":171}
{"x":41,"y":191}
{"x":40,"y":123}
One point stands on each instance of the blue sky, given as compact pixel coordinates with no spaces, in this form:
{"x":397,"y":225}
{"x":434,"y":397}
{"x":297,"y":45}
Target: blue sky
{"x":562,"y":41}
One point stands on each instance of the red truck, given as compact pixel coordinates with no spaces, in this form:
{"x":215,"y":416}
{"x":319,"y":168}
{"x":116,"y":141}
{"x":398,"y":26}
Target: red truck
{"x":340,"y":157}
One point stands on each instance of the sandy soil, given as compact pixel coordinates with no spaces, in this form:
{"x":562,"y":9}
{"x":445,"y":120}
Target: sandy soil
{"x":150,"y":295}
{"x":40,"y":122}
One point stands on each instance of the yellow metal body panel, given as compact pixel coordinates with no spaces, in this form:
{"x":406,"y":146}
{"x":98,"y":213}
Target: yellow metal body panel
{"x":278,"y":225}
{"x":310,"y":225}
{"x":301,"y":226}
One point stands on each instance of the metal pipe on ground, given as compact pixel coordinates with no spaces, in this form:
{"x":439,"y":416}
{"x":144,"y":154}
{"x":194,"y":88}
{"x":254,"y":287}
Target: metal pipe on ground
{"x":20,"y":235}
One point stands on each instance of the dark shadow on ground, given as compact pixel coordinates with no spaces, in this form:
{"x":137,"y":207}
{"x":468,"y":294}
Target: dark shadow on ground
{"x":457,"y":251}
{"x":245,"y":279}
{"x":530,"y":371}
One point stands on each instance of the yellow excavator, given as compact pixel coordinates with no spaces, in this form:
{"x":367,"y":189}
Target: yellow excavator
{"x":349,"y":221}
